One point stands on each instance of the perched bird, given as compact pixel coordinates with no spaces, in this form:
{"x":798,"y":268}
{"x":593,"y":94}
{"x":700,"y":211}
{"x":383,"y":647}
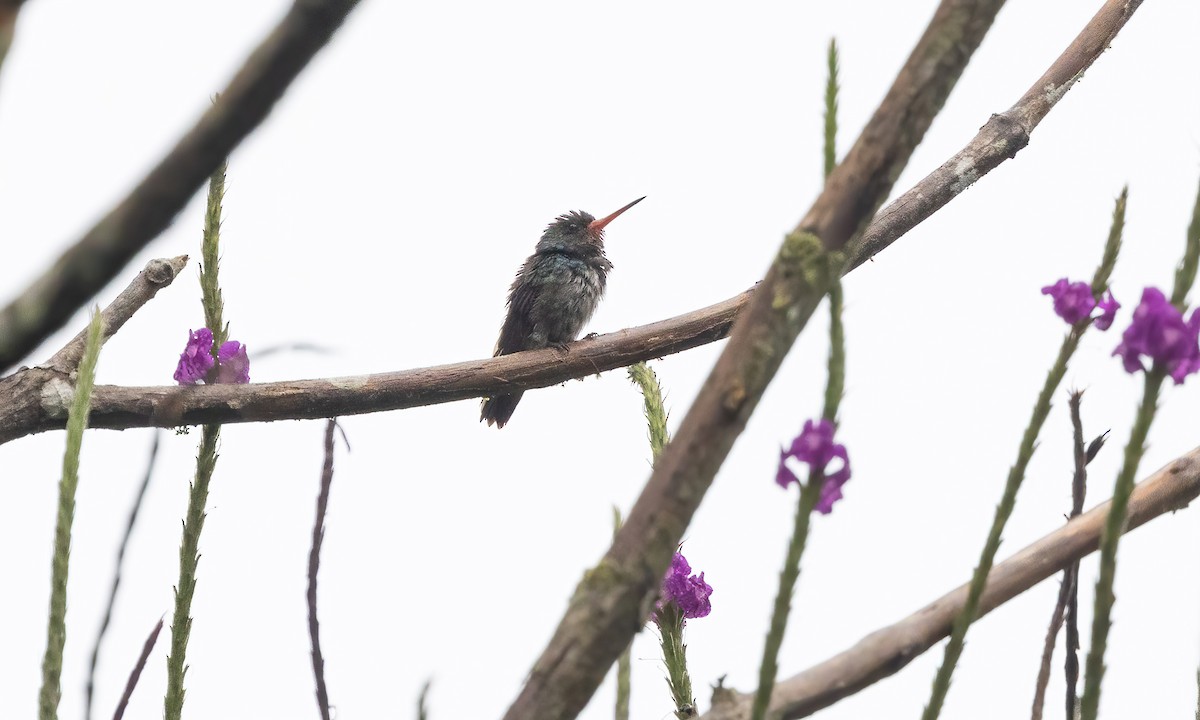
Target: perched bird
{"x":554,"y":294}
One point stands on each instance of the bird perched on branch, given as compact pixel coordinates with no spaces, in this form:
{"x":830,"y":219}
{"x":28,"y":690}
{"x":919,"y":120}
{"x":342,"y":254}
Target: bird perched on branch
{"x":554,"y":294}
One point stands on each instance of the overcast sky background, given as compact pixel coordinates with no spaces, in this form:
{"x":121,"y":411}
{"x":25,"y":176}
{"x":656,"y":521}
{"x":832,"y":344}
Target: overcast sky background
{"x":382,"y":211}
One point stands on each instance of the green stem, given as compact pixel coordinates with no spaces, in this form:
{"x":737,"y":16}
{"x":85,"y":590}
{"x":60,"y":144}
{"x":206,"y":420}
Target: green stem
{"x":210,"y":256}
{"x":783,"y":598}
{"x":624,"y":663}
{"x":56,"y":627}
{"x":1041,"y":409}
{"x":1114,"y":525}
{"x":836,"y":384}
{"x":670,"y":627}
{"x":831,"y":107}
{"x":206,"y":457}
{"x":656,"y":414}
{"x":189,"y":558}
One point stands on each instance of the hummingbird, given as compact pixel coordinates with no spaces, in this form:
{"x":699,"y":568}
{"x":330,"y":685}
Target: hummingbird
{"x":554,"y":295}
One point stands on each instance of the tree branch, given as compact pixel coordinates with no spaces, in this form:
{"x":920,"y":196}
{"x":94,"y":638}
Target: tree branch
{"x":884,"y":652}
{"x":35,"y":399}
{"x":612,"y":602}
{"x":1000,"y":138}
{"x":84,"y":269}
{"x":154,"y":277}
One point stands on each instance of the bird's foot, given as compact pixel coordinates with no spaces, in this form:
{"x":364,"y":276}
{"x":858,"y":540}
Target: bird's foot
{"x":562,"y":347}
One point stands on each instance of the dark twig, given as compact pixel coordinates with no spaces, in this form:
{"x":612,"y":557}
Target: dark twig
{"x":137,"y":670}
{"x":607,"y":606}
{"x":50,"y":300}
{"x":422,"y":705}
{"x":1068,"y":590}
{"x":116,"y":583}
{"x":884,"y":652}
{"x":314,"y":564}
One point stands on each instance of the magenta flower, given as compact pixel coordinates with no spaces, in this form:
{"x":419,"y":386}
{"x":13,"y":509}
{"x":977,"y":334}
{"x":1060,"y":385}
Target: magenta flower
{"x":233,"y":365}
{"x":1159,"y":332}
{"x":1108,"y":311}
{"x":196,"y":359}
{"x":815,"y":447}
{"x":1074,"y":302}
{"x":688,"y":592}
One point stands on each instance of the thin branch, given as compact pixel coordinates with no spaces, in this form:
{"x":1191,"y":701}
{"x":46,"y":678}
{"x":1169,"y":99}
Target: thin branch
{"x":29,"y":401}
{"x":147,"y":648}
{"x":155,"y":276}
{"x":314,"y":564}
{"x":1068,"y":589}
{"x":116,"y":583}
{"x":608,"y":606}
{"x":1001,"y":138}
{"x":50,"y":301}
{"x":884,"y":652}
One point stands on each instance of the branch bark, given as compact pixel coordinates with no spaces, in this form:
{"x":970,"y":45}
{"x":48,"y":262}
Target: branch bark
{"x":35,"y":400}
{"x":84,"y":269}
{"x":612,"y":602}
{"x":1000,"y":138}
{"x":884,"y":652}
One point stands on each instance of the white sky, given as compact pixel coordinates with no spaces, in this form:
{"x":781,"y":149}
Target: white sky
{"x":382,"y":211}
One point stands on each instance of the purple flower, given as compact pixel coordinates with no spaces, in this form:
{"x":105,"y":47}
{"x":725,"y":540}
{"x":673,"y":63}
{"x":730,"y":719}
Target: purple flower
{"x":1074,"y":302}
{"x":689,"y":592}
{"x":815,"y":446}
{"x":233,"y":366}
{"x":196,"y":359}
{"x":1159,"y":332}
{"x":1108,"y":310}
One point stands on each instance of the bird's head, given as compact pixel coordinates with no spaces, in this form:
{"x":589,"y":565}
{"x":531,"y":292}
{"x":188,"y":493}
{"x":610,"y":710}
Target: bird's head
{"x":578,"y":228}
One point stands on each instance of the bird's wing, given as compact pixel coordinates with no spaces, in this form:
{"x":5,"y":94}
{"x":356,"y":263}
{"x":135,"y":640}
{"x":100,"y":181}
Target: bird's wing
{"x":521,"y":297}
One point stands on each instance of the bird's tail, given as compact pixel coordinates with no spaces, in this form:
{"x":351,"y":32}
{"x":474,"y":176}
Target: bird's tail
{"x":499,"y":408}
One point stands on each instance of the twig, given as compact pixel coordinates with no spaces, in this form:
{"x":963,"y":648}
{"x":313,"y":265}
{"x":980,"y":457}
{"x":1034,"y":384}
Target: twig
{"x":50,"y":300}
{"x":1067,"y":589}
{"x":314,"y":564}
{"x":155,"y":276}
{"x":1000,"y":138}
{"x":137,"y":670}
{"x":603,"y":615}
{"x":884,"y":652}
{"x":422,"y":707}
{"x":116,"y":583}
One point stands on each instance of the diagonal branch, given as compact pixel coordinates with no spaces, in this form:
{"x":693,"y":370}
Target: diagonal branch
{"x":154,"y":277}
{"x":1000,"y":138}
{"x":884,"y":652}
{"x":48,"y":303}
{"x":611,"y":604}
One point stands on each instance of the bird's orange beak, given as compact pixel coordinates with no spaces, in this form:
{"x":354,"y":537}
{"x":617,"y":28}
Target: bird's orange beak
{"x":598,"y":225}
